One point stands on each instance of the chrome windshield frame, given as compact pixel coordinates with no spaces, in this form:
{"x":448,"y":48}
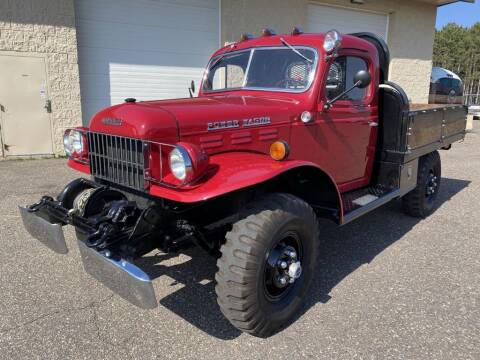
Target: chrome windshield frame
{"x":252,"y":51}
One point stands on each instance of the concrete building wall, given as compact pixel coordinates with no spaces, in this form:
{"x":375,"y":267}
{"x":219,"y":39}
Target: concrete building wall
{"x":410,"y":34}
{"x":47,"y":28}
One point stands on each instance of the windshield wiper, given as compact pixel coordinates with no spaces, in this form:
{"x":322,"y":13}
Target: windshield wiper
{"x":295,"y":50}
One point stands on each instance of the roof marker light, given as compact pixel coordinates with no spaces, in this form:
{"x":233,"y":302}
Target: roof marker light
{"x":268,"y":32}
{"x":297,"y":30}
{"x":246,"y":37}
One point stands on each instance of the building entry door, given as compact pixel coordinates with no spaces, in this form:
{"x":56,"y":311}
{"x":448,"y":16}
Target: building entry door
{"x":24,"y":106}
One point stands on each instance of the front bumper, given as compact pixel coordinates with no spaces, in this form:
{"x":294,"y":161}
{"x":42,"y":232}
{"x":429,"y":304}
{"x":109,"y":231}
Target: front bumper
{"x":51,"y":235}
{"x":118,"y":274}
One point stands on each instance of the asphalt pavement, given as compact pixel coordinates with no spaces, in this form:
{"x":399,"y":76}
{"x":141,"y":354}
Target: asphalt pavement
{"x":388,"y":286}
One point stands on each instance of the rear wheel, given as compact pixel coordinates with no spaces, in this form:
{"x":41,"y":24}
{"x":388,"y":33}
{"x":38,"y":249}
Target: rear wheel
{"x":267,"y":264}
{"x":420,"y":202}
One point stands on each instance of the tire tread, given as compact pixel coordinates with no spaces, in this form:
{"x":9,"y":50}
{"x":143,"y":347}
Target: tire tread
{"x":235,"y":279}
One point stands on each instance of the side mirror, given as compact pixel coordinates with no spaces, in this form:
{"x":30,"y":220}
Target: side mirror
{"x":191,"y":89}
{"x":361,"y":80}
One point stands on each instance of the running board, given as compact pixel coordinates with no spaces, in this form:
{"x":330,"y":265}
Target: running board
{"x":369,"y":206}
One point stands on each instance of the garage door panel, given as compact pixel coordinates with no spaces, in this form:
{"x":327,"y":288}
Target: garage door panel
{"x":322,"y":18}
{"x":174,"y":14}
{"x":147,"y":49}
{"x":95,"y":86}
{"x":97,"y":61}
{"x":151,"y":82}
{"x":143,"y":38}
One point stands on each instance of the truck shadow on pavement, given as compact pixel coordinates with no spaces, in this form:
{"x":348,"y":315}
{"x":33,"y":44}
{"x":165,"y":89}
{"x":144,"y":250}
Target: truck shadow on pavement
{"x":344,"y":250}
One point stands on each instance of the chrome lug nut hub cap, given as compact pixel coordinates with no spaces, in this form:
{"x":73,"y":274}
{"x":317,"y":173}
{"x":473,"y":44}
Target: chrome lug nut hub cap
{"x":287,"y":267}
{"x":294,"y":271}
{"x":283,"y":267}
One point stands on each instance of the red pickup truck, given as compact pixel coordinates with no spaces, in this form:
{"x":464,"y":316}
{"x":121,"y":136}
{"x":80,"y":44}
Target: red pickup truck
{"x":285,"y":129}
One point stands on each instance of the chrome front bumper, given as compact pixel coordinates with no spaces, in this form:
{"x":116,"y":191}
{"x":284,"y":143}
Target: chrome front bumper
{"x":51,"y":235}
{"x":122,"y":277}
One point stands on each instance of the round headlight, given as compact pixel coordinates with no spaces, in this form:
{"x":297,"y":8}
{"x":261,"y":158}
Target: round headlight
{"x":73,"y":142}
{"x":180,"y":163}
{"x":66,"y":143}
{"x":332,"y":41}
{"x":77,"y":141}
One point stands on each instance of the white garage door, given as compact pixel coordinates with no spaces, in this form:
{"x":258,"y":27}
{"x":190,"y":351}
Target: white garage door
{"x":322,"y":18}
{"x":146,"y":49}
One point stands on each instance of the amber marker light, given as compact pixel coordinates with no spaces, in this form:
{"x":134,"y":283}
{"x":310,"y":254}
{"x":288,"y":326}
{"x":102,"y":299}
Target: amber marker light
{"x":279,"y":150}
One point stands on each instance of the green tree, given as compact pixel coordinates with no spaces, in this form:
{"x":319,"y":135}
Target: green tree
{"x":457,"y":48}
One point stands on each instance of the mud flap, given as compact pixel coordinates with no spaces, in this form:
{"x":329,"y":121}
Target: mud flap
{"x":51,"y":235}
{"x":120,"y":276}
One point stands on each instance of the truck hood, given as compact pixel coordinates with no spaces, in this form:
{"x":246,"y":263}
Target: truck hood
{"x":195,"y":116}
{"x":136,"y":120}
{"x":174,"y":120}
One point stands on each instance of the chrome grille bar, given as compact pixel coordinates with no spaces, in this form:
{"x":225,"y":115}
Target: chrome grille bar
{"x":117,"y":159}
{"x":124,"y":160}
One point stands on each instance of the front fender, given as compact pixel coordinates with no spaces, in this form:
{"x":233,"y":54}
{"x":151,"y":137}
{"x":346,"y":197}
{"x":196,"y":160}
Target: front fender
{"x":232,"y":171}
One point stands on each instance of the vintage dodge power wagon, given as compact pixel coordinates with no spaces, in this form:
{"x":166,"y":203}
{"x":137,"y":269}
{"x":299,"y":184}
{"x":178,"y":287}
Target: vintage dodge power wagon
{"x":286,"y":129}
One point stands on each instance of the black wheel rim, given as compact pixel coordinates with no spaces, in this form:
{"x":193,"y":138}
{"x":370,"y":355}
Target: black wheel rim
{"x":274,"y":289}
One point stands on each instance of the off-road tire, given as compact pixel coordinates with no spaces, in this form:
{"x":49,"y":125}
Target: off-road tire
{"x":241,"y":268}
{"x":416,"y":203}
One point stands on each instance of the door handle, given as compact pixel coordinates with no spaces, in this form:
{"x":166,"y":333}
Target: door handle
{"x":372,"y":123}
{"x":48,"y":106}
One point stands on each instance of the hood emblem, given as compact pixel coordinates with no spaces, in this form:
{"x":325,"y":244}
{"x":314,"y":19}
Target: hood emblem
{"x":112,"y":121}
{"x":220,"y":125}
{"x":264,"y":120}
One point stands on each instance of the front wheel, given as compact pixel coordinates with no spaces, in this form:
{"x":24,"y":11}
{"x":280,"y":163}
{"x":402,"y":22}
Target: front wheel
{"x":421,"y":201}
{"x":267,"y":264}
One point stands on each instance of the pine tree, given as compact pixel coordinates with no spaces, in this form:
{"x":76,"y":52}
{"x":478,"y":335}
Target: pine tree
{"x":457,"y":49}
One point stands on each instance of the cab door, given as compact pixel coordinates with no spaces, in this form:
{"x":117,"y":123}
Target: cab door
{"x":350,"y":125}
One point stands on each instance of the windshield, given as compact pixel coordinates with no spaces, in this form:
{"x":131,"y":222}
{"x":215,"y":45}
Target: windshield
{"x":277,"y":69}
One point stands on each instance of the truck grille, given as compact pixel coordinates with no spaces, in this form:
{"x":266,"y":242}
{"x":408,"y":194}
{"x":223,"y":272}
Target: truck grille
{"x":117,"y":159}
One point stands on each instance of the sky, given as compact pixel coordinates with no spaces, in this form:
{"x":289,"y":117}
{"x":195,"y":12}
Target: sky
{"x":464,"y":14}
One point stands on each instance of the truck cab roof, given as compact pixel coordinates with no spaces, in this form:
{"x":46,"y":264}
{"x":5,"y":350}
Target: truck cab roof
{"x":314,"y":40}
{"x":253,"y":78}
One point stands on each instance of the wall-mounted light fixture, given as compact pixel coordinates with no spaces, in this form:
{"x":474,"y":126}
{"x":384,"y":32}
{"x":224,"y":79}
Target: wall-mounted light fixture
{"x":360,"y":2}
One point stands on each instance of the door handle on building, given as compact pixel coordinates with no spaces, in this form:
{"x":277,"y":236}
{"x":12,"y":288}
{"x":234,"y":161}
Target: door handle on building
{"x":48,"y":106}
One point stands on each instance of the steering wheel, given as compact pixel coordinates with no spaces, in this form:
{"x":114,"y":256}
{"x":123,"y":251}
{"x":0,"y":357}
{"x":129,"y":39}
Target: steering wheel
{"x":288,"y":81}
